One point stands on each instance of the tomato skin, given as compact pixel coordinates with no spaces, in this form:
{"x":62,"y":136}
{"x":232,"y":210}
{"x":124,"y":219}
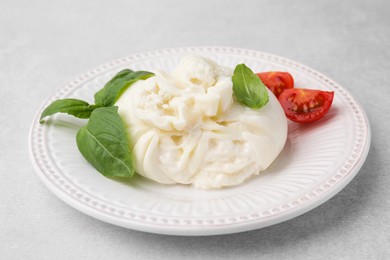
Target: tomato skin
{"x":305,"y":105}
{"x":277,"y":81}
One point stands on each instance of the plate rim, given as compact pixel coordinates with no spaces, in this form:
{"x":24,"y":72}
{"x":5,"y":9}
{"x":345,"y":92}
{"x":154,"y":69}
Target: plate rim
{"x":204,"y":229}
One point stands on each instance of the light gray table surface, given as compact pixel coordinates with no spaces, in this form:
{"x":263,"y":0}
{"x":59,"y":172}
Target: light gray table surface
{"x":43,"y":44}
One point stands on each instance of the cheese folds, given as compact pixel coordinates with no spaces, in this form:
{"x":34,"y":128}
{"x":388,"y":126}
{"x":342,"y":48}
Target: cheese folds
{"x":186,"y":127}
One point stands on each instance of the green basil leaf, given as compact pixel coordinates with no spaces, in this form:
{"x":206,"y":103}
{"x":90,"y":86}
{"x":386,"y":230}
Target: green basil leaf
{"x":110,"y":93}
{"x":71,"y":106}
{"x":104,"y":143}
{"x":248,"y":88}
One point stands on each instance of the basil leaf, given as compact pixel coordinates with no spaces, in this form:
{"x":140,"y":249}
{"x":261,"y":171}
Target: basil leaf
{"x":248,"y":88}
{"x":71,"y":106}
{"x":110,"y":93}
{"x":104,"y":143}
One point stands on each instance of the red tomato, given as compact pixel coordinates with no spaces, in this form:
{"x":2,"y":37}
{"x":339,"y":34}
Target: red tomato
{"x":305,"y":105}
{"x":277,"y":81}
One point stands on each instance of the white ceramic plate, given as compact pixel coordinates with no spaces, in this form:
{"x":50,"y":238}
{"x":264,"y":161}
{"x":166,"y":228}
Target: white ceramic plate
{"x":318,"y":160}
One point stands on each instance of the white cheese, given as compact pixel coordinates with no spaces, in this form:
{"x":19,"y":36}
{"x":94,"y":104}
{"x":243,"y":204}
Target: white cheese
{"x":186,"y":127}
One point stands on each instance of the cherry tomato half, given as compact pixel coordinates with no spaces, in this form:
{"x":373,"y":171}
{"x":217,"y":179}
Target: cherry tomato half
{"x":277,"y":81}
{"x":305,"y":105}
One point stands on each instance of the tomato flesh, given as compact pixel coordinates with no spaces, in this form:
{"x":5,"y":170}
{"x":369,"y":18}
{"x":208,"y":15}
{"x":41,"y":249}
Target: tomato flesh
{"x":277,"y":81}
{"x":305,"y":105}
